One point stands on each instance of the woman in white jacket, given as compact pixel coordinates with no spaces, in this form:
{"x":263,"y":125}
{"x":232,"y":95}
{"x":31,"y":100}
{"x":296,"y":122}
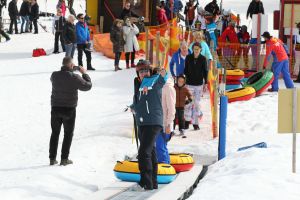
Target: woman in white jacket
{"x":131,"y":43}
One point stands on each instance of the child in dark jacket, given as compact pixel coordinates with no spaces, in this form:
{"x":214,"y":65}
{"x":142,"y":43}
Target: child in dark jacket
{"x":183,"y":97}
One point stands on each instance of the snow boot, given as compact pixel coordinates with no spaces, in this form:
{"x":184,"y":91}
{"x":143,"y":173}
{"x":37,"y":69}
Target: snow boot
{"x":187,"y":125}
{"x":127,"y":66}
{"x":53,"y":162}
{"x":196,"y":127}
{"x":65,"y":162}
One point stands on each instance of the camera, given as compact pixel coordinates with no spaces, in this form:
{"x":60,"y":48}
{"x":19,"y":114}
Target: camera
{"x":76,"y":68}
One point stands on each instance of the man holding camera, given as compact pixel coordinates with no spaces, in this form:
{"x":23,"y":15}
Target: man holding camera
{"x":64,"y":98}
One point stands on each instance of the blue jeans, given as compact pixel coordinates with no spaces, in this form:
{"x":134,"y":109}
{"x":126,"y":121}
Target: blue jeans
{"x":70,"y":49}
{"x":162,"y":152}
{"x":278,"y":68}
{"x":25,"y":21}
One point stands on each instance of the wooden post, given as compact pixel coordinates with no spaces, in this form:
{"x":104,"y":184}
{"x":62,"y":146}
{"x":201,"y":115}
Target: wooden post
{"x":147,"y":43}
{"x":157,"y":42}
{"x":294,"y":128}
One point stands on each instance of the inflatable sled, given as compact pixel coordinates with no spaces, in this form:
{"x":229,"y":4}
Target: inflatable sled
{"x":260,"y":81}
{"x":233,"y":87}
{"x":129,"y":171}
{"x":233,"y":75}
{"x":242,"y":94}
{"x":181,"y":162}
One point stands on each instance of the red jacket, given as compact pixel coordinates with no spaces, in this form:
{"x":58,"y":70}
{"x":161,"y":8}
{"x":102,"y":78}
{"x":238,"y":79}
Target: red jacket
{"x":275,"y":45}
{"x":161,"y":16}
{"x":229,"y":35}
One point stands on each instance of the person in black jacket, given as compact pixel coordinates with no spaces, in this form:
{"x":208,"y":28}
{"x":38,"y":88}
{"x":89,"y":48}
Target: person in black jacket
{"x":69,"y":35}
{"x":127,"y":12}
{"x":24,"y":13}
{"x":13,"y":15}
{"x":64,"y":98}
{"x":255,"y":7}
{"x":34,"y":16}
{"x":212,"y":8}
{"x":117,"y":38}
{"x":196,"y":71}
{"x":57,"y":29}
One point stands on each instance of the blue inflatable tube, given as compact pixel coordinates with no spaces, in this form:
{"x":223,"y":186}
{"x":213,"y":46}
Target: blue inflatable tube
{"x":233,"y":87}
{"x":133,"y":177}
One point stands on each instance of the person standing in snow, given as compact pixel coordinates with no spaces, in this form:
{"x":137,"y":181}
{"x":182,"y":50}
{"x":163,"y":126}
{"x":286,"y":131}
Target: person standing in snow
{"x":13,"y":15}
{"x":58,"y":24}
{"x":149,"y":117}
{"x":244,"y":38}
{"x":183,"y":98}
{"x":199,"y":22}
{"x":34,"y":16}
{"x":127,"y":12}
{"x":189,"y":11}
{"x":24,"y":13}
{"x":130,"y":30}
{"x":69,"y":35}
{"x":280,"y":61}
{"x":161,"y":14}
{"x":196,"y":72}
{"x":177,"y":63}
{"x":83,"y":41}
{"x":168,"y":105}
{"x":62,"y":5}
{"x":64,"y":98}
{"x":117,"y":38}
{"x":255,"y":7}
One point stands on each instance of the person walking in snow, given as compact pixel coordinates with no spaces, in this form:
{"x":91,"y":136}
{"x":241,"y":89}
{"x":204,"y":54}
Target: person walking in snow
{"x":13,"y":15}
{"x":168,"y":105}
{"x":2,"y":32}
{"x":161,"y":14}
{"x":64,"y":98}
{"x":58,"y":24}
{"x":34,"y":16}
{"x":83,"y":41}
{"x":62,"y":5}
{"x":117,"y":38}
{"x":183,"y":98}
{"x":130,"y":31}
{"x":196,"y":72}
{"x":189,"y":11}
{"x":205,"y":51}
{"x":280,"y":64}
{"x":213,"y":8}
{"x":149,"y":117}
{"x":24,"y":13}
{"x":177,"y":63}
{"x":69,"y":35}
{"x":199,"y":22}
{"x":255,"y":7}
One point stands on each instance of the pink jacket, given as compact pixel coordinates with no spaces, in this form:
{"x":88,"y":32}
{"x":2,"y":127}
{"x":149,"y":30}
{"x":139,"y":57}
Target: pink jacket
{"x":169,"y":102}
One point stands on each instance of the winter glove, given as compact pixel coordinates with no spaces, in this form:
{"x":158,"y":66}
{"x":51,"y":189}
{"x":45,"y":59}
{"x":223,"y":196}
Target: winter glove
{"x":188,"y":101}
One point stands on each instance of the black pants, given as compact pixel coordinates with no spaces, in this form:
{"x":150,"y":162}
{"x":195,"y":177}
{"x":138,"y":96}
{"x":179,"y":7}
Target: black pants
{"x":82,"y":48}
{"x":36,"y":28}
{"x":4,"y":34}
{"x":132,"y":57}
{"x":13,"y":22}
{"x":180,"y":117}
{"x":59,"y":35}
{"x":147,"y":155}
{"x":117,"y":58}
{"x":66,"y":117}
{"x":298,"y":78}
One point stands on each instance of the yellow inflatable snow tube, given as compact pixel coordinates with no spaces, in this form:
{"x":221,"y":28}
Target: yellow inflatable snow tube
{"x":233,"y":74}
{"x":181,"y":161}
{"x":241,"y":94}
{"x":129,"y":171}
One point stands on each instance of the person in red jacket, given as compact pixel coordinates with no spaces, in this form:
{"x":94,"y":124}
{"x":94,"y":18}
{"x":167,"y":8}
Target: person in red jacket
{"x":161,"y":14}
{"x":189,"y":11}
{"x":280,"y":61}
{"x":230,"y":43}
{"x":244,"y":38}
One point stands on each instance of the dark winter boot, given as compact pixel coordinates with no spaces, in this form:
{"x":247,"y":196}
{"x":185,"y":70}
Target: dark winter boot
{"x":53,"y":162}
{"x":187,"y":125}
{"x":65,"y":162}
{"x":196,"y":127}
{"x":298,"y":78}
{"x":127,"y":66}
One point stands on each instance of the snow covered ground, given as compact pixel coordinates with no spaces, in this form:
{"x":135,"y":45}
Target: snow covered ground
{"x":103,"y":132}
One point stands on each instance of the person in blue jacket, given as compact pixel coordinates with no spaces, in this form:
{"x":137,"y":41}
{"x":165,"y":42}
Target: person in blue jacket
{"x":83,"y":41}
{"x":148,"y":112}
{"x":178,"y":60}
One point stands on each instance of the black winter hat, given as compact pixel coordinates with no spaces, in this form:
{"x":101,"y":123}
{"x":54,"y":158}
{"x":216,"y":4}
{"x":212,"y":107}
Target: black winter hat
{"x":266,"y":35}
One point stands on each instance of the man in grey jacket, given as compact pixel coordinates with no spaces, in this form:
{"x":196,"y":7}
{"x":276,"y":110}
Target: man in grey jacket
{"x":64,"y":98}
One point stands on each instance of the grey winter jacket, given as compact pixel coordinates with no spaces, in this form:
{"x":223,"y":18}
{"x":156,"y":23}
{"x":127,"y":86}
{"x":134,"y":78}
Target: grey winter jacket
{"x":65,"y":86}
{"x":148,"y":107}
